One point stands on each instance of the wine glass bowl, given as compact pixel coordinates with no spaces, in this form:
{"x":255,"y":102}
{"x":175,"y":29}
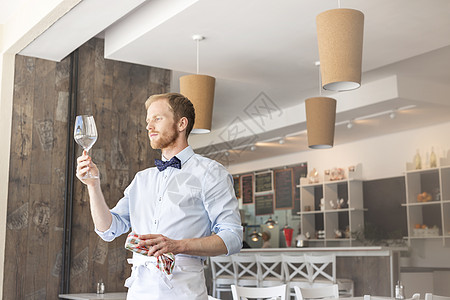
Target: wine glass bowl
{"x":85,"y":134}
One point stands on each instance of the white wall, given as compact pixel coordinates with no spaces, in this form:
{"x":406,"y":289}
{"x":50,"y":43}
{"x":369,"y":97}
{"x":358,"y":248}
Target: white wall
{"x":381,"y":157}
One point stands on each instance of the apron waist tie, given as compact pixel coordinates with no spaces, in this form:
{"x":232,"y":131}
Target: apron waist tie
{"x":151,"y":264}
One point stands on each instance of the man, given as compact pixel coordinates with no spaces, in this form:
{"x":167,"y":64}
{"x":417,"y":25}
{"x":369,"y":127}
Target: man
{"x":174,"y":210}
{"x":266,"y":238}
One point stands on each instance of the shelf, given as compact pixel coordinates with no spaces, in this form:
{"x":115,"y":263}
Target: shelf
{"x":426,"y":237}
{"x":344,"y":210}
{"x":327,"y":183}
{"x":312,"y":212}
{"x":341,"y":181}
{"x":330,"y":211}
{"x":310,"y":185}
{"x":433,"y":213}
{"x":329,"y":219}
{"x":423,"y":203}
{"x":423,"y":171}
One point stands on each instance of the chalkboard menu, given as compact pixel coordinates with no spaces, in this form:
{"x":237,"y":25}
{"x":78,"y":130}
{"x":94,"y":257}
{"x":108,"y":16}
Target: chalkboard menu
{"x":264,"y":204}
{"x":263,"y":182}
{"x":237,"y":186}
{"x":299,"y":171}
{"x":284,"y":196}
{"x":247,"y":188}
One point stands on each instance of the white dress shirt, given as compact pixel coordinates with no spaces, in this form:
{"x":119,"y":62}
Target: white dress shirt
{"x":190,"y":202}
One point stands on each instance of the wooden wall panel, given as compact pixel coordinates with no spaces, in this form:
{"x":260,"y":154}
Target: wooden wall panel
{"x":57,"y":189}
{"x":114,"y":92}
{"x":19,"y":180}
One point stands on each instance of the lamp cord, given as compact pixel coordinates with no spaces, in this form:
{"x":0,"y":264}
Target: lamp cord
{"x":198,"y":56}
{"x":320,"y":82}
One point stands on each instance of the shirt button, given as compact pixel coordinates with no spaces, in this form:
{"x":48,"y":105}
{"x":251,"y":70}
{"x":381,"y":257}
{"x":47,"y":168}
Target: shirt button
{"x":155,"y":221}
{"x":160,"y":198}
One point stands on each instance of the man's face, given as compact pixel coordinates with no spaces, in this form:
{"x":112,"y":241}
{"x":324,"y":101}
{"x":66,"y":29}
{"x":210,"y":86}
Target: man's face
{"x":161,"y":126}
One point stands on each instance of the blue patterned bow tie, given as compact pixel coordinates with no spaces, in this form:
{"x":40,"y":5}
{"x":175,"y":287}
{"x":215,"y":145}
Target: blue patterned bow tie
{"x":173,"y":162}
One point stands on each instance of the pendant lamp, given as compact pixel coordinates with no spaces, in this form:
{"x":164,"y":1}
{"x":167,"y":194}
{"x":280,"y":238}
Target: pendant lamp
{"x":200,"y":90}
{"x":320,"y":119}
{"x":255,"y":235}
{"x":340,"y":40}
{"x":270,"y":223}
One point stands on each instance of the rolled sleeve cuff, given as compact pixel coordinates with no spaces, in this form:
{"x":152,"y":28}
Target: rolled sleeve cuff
{"x":112,"y":232}
{"x":107,"y":235}
{"x":232,"y":240}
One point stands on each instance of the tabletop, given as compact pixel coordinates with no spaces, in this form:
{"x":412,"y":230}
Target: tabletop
{"x":94,"y":296}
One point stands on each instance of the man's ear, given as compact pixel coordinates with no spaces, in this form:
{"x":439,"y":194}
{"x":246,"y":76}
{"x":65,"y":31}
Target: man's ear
{"x":182,"y":124}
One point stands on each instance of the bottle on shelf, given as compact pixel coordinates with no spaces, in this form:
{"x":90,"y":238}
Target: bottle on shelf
{"x":417,"y":160}
{"x":433,"y":159}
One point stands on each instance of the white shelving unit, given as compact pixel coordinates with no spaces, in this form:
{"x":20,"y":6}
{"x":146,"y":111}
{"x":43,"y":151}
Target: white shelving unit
{"x":330,"y":219}
{"x":434,"y":214}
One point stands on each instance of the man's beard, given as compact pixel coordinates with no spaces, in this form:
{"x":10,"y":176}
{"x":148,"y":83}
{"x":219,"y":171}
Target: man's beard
{"x":165,"y":141}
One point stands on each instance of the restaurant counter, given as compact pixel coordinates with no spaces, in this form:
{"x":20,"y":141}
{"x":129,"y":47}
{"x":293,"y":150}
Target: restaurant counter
{"x":374,"y":269}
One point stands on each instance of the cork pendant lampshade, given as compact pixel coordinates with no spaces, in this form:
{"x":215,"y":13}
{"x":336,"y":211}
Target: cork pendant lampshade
{"x":340,"y":40}
{"x":200,"y":90}
{"x":320,"y":120}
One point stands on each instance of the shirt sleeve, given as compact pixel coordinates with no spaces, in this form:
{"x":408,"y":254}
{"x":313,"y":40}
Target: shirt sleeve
{"x":222,"y":207}
{"x":120,"y":218}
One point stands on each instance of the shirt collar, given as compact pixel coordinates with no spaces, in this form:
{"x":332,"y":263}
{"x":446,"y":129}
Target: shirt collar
{"x":183,"y":155}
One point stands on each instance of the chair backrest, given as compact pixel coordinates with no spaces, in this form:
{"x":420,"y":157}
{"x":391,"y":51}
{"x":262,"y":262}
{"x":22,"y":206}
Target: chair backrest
{"x":244,"y":266}
{"x":294,"y":266}
{"x":415,"y":296}
{"x":269,"y":266}
{"x":221,"y":265}
{"x":321,"y":266}
{"x":430,"y":296}
{"x":331,"y":291}
{"x":240,"y":292}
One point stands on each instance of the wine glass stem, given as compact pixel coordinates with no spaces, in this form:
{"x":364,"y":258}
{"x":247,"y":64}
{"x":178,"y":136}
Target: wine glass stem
{"x":89,"y":174}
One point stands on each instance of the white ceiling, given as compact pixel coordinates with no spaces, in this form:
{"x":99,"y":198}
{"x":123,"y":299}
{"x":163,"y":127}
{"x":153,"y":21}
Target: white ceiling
{"x":265,"y":50}
{"x":8,"y":8}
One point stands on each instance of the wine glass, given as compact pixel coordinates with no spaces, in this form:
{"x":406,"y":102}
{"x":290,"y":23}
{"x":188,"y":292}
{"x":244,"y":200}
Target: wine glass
{"x":85,"y":134}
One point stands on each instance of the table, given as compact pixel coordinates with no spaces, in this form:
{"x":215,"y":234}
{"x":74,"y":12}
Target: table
{"x":94,"y":296}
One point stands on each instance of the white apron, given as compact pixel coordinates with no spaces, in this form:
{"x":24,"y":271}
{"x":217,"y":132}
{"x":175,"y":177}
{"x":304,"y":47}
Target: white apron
{"x":147,"y":282}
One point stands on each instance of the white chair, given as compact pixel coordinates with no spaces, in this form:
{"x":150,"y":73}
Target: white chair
{"x":430,"y":296}
{"x":222,"y":274}
{"x":330,"y":291}
{"x":295,"y":271}
{"x":270,"y":271}
{"x":245,"y":270}
{"x":322,"y":270}
{"x":275,"y":292}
